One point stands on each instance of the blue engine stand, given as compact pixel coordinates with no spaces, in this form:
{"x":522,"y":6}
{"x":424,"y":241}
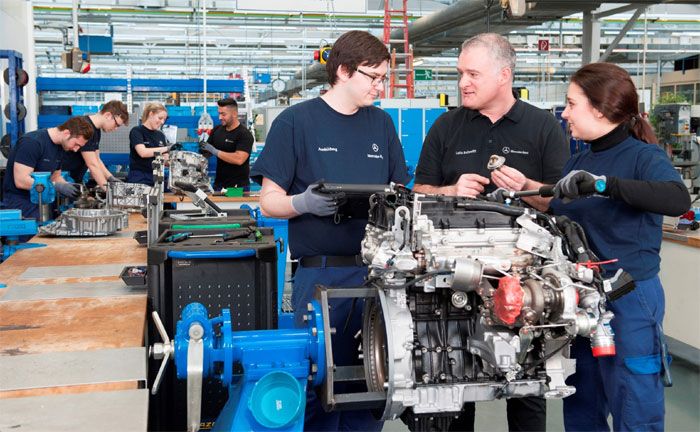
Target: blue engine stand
{"x":278,"y":365}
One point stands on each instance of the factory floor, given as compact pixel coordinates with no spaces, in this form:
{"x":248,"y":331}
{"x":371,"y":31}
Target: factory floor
{"x":682,"y":407}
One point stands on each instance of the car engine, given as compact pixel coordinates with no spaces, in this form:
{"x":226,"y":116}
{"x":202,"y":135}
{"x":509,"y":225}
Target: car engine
{"x":476,"y":300}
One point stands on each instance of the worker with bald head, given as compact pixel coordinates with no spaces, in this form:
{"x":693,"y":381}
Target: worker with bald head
{"x":456,"y":151}
{"x":491,"y":121}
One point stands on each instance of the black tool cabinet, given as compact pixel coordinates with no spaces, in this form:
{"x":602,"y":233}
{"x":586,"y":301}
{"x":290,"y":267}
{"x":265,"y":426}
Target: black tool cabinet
{"x":239,"y":274}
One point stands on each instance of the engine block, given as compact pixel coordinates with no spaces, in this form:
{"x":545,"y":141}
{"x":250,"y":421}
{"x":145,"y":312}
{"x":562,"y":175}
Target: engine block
{"x":476,"y":300}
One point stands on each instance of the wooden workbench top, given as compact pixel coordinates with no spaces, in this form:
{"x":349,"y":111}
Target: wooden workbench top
{"x":76,"y":323}
{"x":684,"y":237}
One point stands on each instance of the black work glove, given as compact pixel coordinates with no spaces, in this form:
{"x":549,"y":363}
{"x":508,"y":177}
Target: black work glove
{"x":311,"y":201}
{"x":113,"y":179}
{"x":70,"y":190}
{"x":577,"y":184}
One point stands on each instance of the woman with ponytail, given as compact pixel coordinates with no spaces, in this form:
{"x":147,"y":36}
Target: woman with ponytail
{"x":623,"y":223}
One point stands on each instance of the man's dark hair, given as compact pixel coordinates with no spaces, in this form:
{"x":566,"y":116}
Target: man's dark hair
{"x":117,"y":109}
{"x":228,"y":102}
{"x":352,"y":49}
{"x":78,"y":126}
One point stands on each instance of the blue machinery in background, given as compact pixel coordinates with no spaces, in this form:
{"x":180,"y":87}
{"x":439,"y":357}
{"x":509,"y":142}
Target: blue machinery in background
{"x":15,"y":127}
{"x":270,"y":394}
{"x":138,"y":85}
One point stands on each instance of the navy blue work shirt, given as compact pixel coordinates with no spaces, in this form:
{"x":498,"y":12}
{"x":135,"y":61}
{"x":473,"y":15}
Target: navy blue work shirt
{"x":613,"y":228}
{"x":74,"y":162}
{"x":141,"y":169}
{"x":35,"y":150}
{"x":310,"y":142}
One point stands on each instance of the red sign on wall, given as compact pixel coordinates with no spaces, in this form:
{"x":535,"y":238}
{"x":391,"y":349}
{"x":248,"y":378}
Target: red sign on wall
{"x":543,"y":45}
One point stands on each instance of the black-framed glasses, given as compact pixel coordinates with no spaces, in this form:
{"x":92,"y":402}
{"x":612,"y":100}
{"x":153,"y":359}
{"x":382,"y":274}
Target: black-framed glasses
{"x":116,"y":122}
{"x":375,"y":79}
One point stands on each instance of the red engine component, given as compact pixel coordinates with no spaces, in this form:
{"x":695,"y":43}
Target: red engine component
{"x":508,"y":299}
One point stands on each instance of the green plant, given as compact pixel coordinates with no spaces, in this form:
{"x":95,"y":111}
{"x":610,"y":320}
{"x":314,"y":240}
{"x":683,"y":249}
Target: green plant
{"x":668,"y":98}
{"x":664,"y":98}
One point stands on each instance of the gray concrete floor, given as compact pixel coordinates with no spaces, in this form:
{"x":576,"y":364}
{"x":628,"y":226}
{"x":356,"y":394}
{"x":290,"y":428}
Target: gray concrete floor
{"x":682,"y":407}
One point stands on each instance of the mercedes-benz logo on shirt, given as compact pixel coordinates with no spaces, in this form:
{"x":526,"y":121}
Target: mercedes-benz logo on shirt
{"x":375,"y":147}
{"x":505,"y":150}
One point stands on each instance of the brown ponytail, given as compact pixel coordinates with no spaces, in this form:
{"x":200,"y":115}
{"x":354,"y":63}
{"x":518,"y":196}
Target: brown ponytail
{"x":642,"y":130}
{"x":612,"y":92}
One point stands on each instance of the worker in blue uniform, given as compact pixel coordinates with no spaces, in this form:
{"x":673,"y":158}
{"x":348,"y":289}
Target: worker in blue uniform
{"x":145,"y":141}
{"x":112,"y":116}
{"x":623,"y":223}
{"x":42,"y":151}
{"x":341,"y":138}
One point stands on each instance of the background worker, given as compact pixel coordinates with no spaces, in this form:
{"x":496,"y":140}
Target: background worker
{"x":622,"y":223}
{"x":339,"y":137}
{"x":145,"y":141}
{"x":112,"y":116}
{"x":42,"y":151}
{"x":457,"y":149}
{"x":231,"y":142}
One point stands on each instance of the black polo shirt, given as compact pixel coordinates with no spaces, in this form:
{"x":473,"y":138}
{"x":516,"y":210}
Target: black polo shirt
{"x":228,"y":174}
{"x":462,"y":140}
{"x":73,"y":162}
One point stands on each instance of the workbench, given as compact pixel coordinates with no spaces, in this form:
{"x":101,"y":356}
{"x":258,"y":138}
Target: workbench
{"x":72,"y":335}
{"x":680,"y":276}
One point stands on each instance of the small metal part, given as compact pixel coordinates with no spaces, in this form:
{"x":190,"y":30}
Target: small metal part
{"x":495,"y":162}
{"x":459,"y":299}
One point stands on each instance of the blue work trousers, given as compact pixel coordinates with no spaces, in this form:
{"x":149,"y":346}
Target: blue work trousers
{"x":345,"y":346}
{"x":628,"y":385}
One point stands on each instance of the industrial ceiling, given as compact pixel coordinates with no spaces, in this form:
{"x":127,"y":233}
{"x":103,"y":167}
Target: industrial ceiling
{"x":164,"y":38}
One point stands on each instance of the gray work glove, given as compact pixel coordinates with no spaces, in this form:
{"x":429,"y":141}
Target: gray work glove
{"x":70,"y":190}
{"x":206,"y":147}
{"x":313,"y":202}
{"x":577,"y":184}
{"x":113,"y":179}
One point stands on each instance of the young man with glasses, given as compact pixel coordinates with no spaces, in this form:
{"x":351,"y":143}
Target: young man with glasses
{"x":339,"y":137}
{"x":113,"y":115}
